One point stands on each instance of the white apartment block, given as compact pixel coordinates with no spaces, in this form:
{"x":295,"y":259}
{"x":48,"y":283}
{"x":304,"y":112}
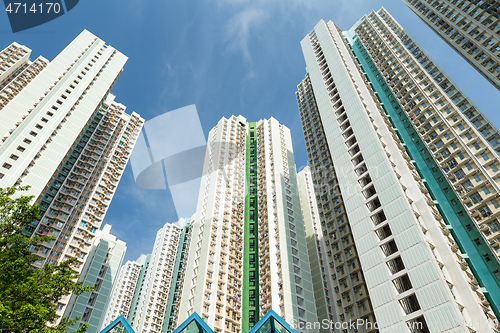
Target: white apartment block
{"x":65,"y":136}
{"x":17,"y":71}
{"x":461,"y":139}
{"x":123,"y":292}
{"x":284,"y":271}
{"x":415,"y":280}
{"x":332,"y":269}
{"x":147,"y":315}
{"x":471,"y":28}
{"x":100,"y":271}
{"x":147,"y":291}
{"x":248,"y":250}
{"x":338,"y":274}
{"x":214,"y":269}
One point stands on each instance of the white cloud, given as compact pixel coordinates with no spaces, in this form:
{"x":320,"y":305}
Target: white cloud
{"x":238,"y":29}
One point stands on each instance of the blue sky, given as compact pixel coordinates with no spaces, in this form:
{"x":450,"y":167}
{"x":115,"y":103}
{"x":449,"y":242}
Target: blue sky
{"x":227,"y":57}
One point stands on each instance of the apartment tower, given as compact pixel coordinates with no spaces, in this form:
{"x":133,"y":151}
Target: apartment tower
{"x":460,"y":147}
{"x":413,"y":261}
{"x":149,"y":310}
{"x":63,"y":134}
{"x":470,"y":27}
{"x":147,"y":290}
{"x":335,"y":247}
{"x":334,"y":269}
{"x":100,"y":270}
{"x":123,"y":291}
{"x":17,"y":71}
{"x":248,"y":251}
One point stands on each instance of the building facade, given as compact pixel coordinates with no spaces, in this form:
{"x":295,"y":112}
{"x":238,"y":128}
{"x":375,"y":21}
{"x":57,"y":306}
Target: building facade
{"x":332,"y":271}
{"x":123,"y":291}
{"x":151,"y":304}
{"x":17,"y":71}
{"x":178,"y":278}
{"x":416,"y":273}
{"x":248,"y":251}
{"x":147,"y":290}
{"x":470,"y":27}
{"x":100,"y":270}
{"x":65,"y":136}
{"x":456,"y":149}
{"x":343,"y":284}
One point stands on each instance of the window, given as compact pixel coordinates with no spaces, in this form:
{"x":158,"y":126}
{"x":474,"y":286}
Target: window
{"x":459,"y":174}
{"x":485,"y":156}
{"x":493,"y":167}
{"x":485,"y":190}
{"x":476,"y":198}
{"x":495,"y":203}
{"x":494,"y":226}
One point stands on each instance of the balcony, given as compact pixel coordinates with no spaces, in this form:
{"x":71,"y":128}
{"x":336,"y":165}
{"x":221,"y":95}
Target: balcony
{"x":396,"y":265}
{"x":410,"y":304}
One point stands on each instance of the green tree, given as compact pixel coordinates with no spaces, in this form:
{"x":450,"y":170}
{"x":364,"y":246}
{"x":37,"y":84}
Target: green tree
{"x":28,"y":296}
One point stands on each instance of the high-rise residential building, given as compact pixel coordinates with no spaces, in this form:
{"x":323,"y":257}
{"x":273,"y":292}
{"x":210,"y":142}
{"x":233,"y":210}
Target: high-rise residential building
{"x":65,"y":136}
{"x":124,"y":289}
{"x":248,"y":251}
{"x":470,"y":27}
{"x":335,"y":247}
{"x":147,"y":290}
{"x":100,"y":270}
{"x":178,"y":278}
{"x":332,"y":264}
{"x":149,"y":310}
{"x":144,"y":260}
{"x":460,"y":146}
{"x":391,"y":136}
{"x":17,"y":71}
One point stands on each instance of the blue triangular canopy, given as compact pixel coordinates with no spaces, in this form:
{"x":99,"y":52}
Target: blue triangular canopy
{"x":270,"y":323}
{"x":119,"y":325}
